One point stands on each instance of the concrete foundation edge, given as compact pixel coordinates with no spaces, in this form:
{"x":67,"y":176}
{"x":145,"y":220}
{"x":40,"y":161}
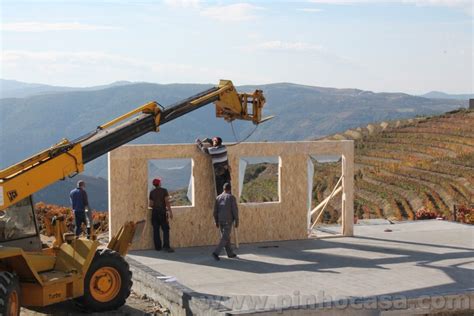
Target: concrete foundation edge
{"x":181,"y":300}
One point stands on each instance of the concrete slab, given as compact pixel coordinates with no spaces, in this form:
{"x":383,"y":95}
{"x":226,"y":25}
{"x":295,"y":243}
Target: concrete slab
{"x":416,"y":267}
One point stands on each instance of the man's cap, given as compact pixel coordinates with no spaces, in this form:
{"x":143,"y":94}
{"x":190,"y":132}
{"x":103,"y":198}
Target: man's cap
{"x":227,"y":186}
{"x":157,"y":182}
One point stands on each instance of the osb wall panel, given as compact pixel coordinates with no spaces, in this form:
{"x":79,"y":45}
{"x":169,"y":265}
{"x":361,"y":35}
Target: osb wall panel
{"x":194,"y":225}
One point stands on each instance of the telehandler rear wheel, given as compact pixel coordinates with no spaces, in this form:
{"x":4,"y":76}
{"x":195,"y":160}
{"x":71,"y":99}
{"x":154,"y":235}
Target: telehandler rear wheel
{"x":9,"y":294}
{"x":107,"y":283}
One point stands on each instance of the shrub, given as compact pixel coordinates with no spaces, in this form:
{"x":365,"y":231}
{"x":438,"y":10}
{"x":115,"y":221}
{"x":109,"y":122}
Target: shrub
{"x":465,"y":214}
{"x":46,"y":212}
{"x":424,"y":213}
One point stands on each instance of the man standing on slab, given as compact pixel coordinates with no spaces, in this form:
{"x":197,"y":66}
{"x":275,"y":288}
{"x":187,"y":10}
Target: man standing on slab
{"x":225,"y":214}
{"x":159,"y":204}
{"x":80,"y":207}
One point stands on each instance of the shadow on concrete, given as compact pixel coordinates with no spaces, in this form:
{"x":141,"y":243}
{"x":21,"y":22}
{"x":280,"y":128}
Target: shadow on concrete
{"x":327,"y":256}
{"x":413,"y":243}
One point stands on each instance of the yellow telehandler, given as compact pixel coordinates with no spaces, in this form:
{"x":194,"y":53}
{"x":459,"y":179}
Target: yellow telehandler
{"x":98,"y":278}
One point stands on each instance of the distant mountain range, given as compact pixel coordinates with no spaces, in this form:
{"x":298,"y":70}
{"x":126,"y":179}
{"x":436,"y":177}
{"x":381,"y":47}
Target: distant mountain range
{"x":442,"y":95}
{"x":18,"y":89}
{"x":32,"y":123}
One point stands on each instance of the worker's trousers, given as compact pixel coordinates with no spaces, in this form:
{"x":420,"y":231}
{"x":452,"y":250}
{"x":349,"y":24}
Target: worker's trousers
{"x":159,"y":220}
{"x":221,"y":180}
{"x":226,"y":230}
{"x":79,"y":218}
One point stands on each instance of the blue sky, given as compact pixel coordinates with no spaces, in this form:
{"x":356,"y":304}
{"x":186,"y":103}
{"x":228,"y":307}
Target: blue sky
{"x":412,"y":46}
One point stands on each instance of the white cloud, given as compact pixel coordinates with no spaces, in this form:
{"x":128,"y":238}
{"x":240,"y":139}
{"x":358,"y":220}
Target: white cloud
{"x":339,"y":2}
{"x":75,"y":69}
{"x":44,"y":27}
{"x":316,"y":51}
{"x":465,"y":5}
{"x":313,"y":10}
{"x":67,"y":61}
{"x":182,"y":3}
{"x":89,"y":57}
{"x":235,"y":12}
{"x":232,"y":12}
{"x":446,"y":3}
{"x":289,"y":46}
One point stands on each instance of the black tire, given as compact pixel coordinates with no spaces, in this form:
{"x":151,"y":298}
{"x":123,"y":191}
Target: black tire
{"x":113,"y":261}
{"x":9,"y":288}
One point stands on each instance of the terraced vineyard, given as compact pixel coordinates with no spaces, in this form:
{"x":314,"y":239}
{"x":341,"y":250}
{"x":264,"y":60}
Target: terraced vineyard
{"x":260,"y":183}
{"x":405,"y":166}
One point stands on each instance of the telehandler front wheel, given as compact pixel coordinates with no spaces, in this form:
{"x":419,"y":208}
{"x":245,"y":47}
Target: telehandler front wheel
{"x":9,"y":294}
{"x":107,"y":283}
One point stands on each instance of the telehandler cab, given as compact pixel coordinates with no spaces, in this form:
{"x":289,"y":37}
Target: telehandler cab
{"x":97,"y":277}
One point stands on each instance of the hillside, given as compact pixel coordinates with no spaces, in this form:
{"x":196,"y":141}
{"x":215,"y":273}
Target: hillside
{"x":260,"y":183}
{"x":18,"y":89}
{"x":442,"y":95}
{"x":402,"y":166}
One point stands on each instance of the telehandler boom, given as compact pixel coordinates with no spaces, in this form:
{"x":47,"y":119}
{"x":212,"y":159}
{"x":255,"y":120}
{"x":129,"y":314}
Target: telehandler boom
{"x":76,"y":268}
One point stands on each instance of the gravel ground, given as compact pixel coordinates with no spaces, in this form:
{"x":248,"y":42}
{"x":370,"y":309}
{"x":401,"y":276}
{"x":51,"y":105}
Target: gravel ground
{"x":135,"y":306}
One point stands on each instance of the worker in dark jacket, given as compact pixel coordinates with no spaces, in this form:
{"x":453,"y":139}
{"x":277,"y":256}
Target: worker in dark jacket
{"x":220,"y":162}
{"x":80,"y":207}
{"x":161,"y":213}
{"x":225,"y":214}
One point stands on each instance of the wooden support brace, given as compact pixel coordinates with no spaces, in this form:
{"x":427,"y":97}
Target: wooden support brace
{"x":327,"y":202}
{"x":320,"y":205}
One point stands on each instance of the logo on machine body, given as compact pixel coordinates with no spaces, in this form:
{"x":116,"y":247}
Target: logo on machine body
{"x":12,"y":195}
{"x":54,"y":296}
